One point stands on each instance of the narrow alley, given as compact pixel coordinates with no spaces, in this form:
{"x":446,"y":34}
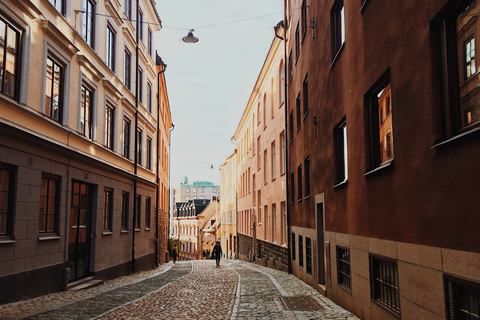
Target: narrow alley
{"x":187,"y":290}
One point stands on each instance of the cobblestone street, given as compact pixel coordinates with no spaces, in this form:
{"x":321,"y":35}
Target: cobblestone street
{"x":186,"y":290}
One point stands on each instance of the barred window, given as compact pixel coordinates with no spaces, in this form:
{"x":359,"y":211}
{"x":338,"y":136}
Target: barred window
{"x":462,"y":299}
{"x":384,"y":284}
{"x":344,"y":277}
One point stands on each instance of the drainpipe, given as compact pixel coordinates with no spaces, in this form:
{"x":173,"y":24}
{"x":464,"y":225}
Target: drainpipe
{"x":159,"y":63}
{"x":284,"y":39}
{"x":169,"y":188}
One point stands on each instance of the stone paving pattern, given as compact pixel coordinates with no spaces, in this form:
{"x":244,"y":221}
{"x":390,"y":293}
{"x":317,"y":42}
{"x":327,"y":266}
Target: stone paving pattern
{"x":186,"y":290}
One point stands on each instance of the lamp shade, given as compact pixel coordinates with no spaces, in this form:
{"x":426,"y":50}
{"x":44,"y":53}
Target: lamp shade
{"x":190,"y":38}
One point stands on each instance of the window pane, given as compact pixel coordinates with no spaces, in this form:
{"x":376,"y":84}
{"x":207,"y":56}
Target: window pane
{"x":385,"y":129}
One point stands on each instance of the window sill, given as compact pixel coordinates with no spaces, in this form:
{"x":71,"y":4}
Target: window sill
{"x":138,"y":230}
{"x":107,"y":233}
{"x":147,"y":229}
{"x":7,"y":241}
{"x":459,"y":136}
{"x":291,"y":140}
{"x":47,"y":238}
{"x":341,"y":184}
{"x":337,"y":55}
{"x":299,"y":200}
{"x":307,"y":197}
{"x":380,"y":168}
{"x":298,"y":128}
{"x":365,"y":2}
{"x":123,"y":231}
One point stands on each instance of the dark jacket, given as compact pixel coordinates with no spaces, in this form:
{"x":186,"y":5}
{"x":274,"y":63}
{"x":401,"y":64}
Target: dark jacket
{"x":217,"y":251}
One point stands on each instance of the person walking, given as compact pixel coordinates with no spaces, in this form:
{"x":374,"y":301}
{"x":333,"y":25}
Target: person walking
{"x":217,"y":251}
{"x":174,"y":254}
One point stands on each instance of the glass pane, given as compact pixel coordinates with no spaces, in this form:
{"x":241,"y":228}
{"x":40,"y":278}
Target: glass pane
{"x":41,"y":224}
{"x":50,"y":223}
{"x":51,"y":206}
{"x":3,"y":201}
{"x":3,"y":223}
{"x":4,"y":180}
{"x":52,"y":188}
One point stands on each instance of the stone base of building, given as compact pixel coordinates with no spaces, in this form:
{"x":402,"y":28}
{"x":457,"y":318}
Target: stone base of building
{"x":266,"y":254}
{"x":31,"y":284}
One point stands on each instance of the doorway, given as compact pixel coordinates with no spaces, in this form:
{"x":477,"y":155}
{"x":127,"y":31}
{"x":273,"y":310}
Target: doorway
{"x":79,"y":231}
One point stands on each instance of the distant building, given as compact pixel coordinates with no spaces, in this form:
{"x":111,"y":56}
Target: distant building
{"x":186,"y":191}
{"x":228,"y":205}
{"x":190,"y":223}
{"x":261,"y":167}
{"x":67,"y":144}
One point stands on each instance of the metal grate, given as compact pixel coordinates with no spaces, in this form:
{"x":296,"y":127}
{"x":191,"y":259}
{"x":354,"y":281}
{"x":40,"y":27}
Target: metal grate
{"x":300,"y":303}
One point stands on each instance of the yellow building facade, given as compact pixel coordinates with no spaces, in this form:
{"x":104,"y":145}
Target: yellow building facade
{"x":261,"y":166}
{"x":228,"y":206}
{"x":83,"y":163}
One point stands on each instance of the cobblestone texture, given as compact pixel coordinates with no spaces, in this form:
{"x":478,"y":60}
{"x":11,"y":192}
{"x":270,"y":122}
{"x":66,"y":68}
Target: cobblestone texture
{"x":186,"y":290}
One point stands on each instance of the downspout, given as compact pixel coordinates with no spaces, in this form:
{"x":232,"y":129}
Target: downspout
{"x":284,"y":39}
{"x":169,"y":188}
{"x":159,"y":63}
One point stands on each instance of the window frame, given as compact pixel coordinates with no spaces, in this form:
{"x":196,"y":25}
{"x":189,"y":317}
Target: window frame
{"x":19,"y":32}
{"x":341,"y":148}
{"x":11,"y":171}
{"x":56,"y":204}
{"x":109,"y":126}
{"x":376,"y":283}
{"x":111,"y":45}
{"x":148,"y":163}
{"x":51,"y":112}
{"x":304,"y":18}
{"x":88,"y":22}
{"x":299,"y":183}
{"x":337,"y":16}
{"x":124,"y":210}
{"x":127,"y":69}
{"x":108,"y":199}
{"x":148,"y":212}
{"x":305,"y":97}
{"x":306,"y":173}
{"x":451,"y":287}
{"x":126,"y":136}
{"x":86,"y":112}
{"x":344,"y":272}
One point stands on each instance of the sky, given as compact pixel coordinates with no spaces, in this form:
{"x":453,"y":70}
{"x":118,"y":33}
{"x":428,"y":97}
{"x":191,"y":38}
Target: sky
{"x":209,"y":82}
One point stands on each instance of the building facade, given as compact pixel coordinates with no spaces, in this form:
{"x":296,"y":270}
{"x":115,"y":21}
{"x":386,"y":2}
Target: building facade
{"x":382,"y":140}
{"x":261,"y":166}
{"x":70,"y":148}
{"x":228,"y":206}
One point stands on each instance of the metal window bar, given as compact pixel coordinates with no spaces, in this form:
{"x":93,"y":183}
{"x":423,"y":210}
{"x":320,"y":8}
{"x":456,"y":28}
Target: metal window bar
{"x":344,"y":275}
{"x":385,"y":286}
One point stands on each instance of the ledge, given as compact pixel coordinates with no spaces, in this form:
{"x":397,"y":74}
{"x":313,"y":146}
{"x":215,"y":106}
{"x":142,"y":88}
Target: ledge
{"x":107,"y":233}
{"x":340,"y":184}
{"x":7,"y":241}
{"x":377,"y":169}
{"x":459,"y":136}
{"x":46,"y":238}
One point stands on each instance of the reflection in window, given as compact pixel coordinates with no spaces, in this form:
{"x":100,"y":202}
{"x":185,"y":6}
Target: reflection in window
{"x":9,"y":57}
{"x":86,"y":112}
{"x":53,"y":89}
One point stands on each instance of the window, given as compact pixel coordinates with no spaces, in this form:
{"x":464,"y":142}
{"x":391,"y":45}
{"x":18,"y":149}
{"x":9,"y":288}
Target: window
{"x":344,"y":277}
{"x":299,"y":182}
{"x":125,"y":196}
{"x":265,"y":110}
{"x":139,"y":146}
{"x":381,"y":124}
{"x":259,"y":206}
{"x":86,"y":112}
{"x":149,"y":153}
{"x":274,"y":224}
{"x":283,"y":155}
{"x":300,"y":251}
{"x":7,"y":186}
{"x":299,"y":112}
{"x":308,"y":255}
{"x":109,"y":115}
{"x":457,"y":55}
{"x":148,"y":208}
{"x":128,"y":9}
{"x":140,"y":24}
{"x":126,"y":138}
{"x":149,"y":97}
{"x":281,"y":83}
{"x":259,"y":156}
{"x":107,"y":209}
{"x":150,"y":42}
{"x":297,"y":44}
{"x":462,"y":299}
{"x":305,"y":96}
{"x":290,"y":122}
{"x":9,"y":58}
{"x":110,"y":54}
{"x":254,"y":189}
{"x":338,"y":26}
{"x":54,"y":89}
{"x":290,"y":67}
{"x":49,"y":195}
{"x":307,"y":176}
{"x":138,"y":213}
{"x":265,"y":169}
{"x":140,"y":85}
{"x":304,"y":18}
{"x":266,"y":223}
{"x":258,"y":113}
{"x":384,"y":284}
{"x":127,"y":70}
{"x":59,"y":5}
{"x":341,"y":148}
{"x":273,"y":161}
{"x":292,"y":187}
{"x":294,"y":249}
{"x":88,"y":22}
{"x":284,"y":223}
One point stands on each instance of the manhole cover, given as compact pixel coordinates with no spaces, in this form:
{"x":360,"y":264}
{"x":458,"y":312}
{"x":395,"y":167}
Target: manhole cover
{"x":300,"y":303}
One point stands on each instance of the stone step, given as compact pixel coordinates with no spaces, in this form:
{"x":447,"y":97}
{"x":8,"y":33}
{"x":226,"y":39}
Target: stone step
{"x":84,"y":283}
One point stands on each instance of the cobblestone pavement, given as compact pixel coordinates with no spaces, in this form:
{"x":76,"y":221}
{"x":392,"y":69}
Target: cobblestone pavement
{"x":186,"y":290}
